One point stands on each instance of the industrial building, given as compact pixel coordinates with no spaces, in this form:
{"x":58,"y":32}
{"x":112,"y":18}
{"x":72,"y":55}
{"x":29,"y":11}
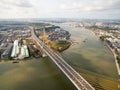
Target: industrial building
{"x":6,"y":54}
{"x":19,"y":51}
{"x":15,"y":50}
{"x":24,"y":51}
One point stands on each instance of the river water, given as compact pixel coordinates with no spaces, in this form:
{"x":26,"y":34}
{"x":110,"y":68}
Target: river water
{"x":92,"y":59}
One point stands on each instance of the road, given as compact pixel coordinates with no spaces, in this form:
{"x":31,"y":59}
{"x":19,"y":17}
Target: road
{"x":79,"y":82}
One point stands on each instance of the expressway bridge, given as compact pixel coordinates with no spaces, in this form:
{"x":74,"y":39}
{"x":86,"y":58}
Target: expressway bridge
{"x":79,"y":82}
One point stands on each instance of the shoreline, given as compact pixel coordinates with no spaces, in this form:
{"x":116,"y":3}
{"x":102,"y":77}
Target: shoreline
{"x":114,"y":54}
{"x":117,"y":65}
{"x":73,"y":42}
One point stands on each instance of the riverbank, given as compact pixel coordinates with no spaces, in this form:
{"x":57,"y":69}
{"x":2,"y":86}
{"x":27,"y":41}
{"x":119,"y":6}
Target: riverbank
{"x":73,"y":42}
{"x":92,"y":59}
{"x":114,"y":54}
{"x":59,"y":45}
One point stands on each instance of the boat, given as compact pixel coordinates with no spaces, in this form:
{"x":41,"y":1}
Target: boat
{"x":15,"y":61}
{"x":84,"y":41}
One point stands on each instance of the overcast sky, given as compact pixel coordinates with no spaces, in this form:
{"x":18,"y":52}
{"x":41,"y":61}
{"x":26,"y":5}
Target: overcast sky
{"x":96,"y":9}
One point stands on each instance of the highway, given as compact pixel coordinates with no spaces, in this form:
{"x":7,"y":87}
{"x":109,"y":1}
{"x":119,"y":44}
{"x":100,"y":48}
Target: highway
{"x":79,"y":82}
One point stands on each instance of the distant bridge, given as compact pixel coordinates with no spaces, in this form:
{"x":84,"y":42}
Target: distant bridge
{"x":79,"y":82}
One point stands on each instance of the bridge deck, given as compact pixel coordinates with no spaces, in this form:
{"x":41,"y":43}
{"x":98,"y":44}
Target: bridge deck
{"x":75,"y":78}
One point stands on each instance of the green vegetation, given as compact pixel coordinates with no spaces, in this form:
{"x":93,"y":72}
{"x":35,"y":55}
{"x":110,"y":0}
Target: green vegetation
{"x":60,"y":45}
{"x":53,"y":27}
{"x":28,"y":41}
{"x":103,"y":37}
{"x":118,"y":59}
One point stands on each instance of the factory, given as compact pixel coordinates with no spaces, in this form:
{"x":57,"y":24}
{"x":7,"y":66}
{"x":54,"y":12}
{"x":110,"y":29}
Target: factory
{"x":6,"y":54}
{"x":19,"y":51}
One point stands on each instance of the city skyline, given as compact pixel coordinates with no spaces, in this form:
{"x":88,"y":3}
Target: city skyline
{"x":95,"y":9}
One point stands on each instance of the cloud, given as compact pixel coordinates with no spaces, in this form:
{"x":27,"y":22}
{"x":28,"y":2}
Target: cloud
{"x":16,"y":9}
{"x":95,"y":5}
{"x":25,"y":3}
{"x":59,"y":8}
{"x":16,"y":3}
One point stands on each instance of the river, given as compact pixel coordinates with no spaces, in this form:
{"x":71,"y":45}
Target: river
{"x":92,"y":59}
